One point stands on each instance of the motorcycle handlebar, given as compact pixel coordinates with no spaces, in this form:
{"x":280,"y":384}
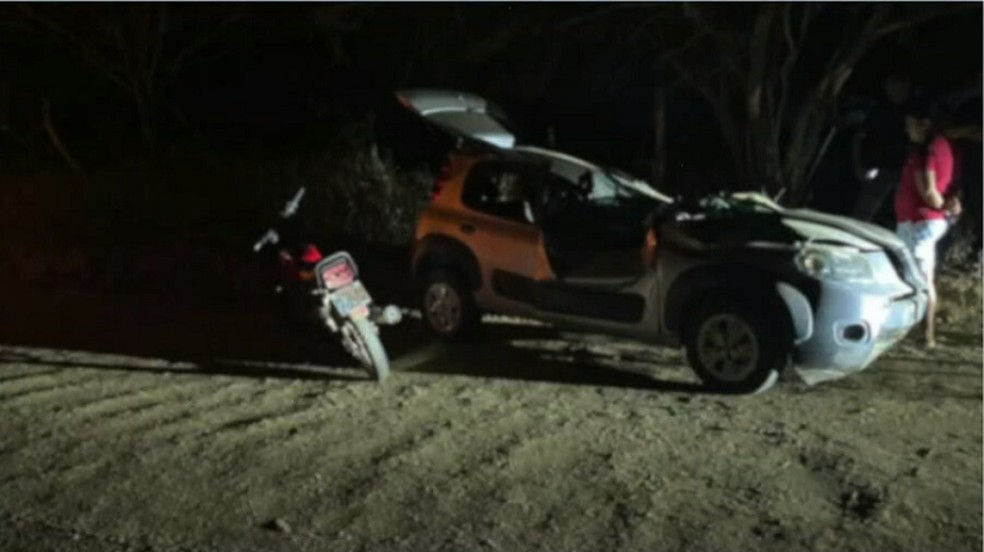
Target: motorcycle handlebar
{"x":270,"y":237}
{"x":291,"y":207}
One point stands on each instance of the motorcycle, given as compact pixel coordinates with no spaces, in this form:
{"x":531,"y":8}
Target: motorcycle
{"x":325,"y":292}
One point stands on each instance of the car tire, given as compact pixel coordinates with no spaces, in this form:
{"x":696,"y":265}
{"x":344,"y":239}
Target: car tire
{"x":734,"y":348}
{"x":448,"y":306}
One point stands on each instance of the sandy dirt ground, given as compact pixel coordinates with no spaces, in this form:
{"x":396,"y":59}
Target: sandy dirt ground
{"x":133,"y":422}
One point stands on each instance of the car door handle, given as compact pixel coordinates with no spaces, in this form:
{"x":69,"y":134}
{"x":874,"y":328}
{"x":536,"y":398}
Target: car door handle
{"x":468,"y":228}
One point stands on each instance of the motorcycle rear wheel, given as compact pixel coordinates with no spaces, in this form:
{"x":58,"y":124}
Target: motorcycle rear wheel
{"x":363,"y":343}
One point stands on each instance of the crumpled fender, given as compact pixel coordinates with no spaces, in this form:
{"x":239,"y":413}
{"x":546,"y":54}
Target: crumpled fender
{"x":800,"y":311}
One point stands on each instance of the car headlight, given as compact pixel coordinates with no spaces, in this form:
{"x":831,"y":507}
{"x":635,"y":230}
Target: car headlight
{"x":836,"y":263}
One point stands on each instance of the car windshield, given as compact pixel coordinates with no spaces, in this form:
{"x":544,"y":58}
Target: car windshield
{"x":612,"y":185}
{"x":739,"y":202}
{"x":635,"y":186}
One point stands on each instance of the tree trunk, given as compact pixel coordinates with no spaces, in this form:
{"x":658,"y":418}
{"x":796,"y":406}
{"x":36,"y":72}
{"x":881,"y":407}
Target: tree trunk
{"x":659,"y":136}
{"x":56,"y":141}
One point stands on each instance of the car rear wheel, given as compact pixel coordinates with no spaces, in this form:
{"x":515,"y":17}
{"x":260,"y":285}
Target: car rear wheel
{"x":448,"y":306}
{"x":736,"y":349}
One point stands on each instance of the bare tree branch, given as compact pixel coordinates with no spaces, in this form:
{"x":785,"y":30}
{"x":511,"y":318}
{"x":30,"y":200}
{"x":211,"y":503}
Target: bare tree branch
{"x":111,"y":69}
{"x":191,"y":49}
{"x":749,"y":79}
{"x":759,"y":55}
{"x":728,"y":45}
{"x":593,"y":16}
{"x":794,"y":45}
{"x":924,"y":17}
{"x":159,"y":36}
{"x":56,"y":141}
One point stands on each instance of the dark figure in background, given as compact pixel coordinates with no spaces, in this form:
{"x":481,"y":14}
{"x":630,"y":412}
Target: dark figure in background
{"x":879,"y":150}
{"x":965,"y":133}
{"x":835,"y":189}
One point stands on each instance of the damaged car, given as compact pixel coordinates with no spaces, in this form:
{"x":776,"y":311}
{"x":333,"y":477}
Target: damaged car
{"x":747,"y":287}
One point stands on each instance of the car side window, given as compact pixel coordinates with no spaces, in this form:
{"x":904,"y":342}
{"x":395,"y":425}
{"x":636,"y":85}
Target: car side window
{"x":498,"y":190}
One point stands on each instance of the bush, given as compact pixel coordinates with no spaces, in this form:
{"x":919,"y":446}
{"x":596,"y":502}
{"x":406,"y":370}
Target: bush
{"x":958,"y":244}
{"x":366,"y":197}
{"x":189,"y":218}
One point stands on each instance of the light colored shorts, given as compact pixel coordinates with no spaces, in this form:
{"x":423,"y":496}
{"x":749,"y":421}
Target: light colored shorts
{"x":921,"y":238}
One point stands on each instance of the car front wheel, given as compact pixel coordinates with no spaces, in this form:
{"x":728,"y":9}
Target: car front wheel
{"x":736,"y":349}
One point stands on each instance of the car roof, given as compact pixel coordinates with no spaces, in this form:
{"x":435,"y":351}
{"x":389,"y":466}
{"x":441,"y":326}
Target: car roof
{"x":571,"y":167}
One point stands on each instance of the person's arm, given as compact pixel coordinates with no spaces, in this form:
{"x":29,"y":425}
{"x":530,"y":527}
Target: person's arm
{"x":953,"y":205}
{"x":926,"y":185}
{"x":939,"y":154}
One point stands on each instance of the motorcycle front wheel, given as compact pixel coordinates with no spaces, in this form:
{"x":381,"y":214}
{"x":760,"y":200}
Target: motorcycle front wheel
{"x":362,"y":341}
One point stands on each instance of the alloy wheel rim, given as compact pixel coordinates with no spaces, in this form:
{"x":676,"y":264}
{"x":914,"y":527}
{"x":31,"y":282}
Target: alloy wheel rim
{"x":443,"y":307}
{"x":727,"y":347}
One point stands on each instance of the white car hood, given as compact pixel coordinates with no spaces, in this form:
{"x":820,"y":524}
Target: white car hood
{"x":812,"y":231}
{"x":813,"y":225}
{"x":869,"y":233}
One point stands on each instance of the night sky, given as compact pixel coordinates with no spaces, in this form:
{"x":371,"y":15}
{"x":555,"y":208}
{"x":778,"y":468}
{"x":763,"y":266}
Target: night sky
{"x":281,"y":76}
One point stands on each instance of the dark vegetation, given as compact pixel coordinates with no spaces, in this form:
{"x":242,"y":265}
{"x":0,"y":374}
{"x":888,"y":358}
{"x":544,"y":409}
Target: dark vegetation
{"x":137,"y":134}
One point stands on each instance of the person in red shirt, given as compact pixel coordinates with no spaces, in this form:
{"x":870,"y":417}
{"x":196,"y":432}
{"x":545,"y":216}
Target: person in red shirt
{"x":923,"y":204}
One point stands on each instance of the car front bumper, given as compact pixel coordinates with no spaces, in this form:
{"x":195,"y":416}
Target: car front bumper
{"x":852,"y":326}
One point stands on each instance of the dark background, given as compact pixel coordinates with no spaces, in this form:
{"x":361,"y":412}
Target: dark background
{"x":280,"y":94}
{"x":281,"y":75}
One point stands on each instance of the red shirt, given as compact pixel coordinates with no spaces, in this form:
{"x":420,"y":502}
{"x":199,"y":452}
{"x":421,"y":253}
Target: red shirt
{"x":909,"y":205}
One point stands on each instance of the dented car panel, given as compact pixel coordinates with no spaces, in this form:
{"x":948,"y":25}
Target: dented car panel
{"x":852,"y":328}
{"x":838,"y":327}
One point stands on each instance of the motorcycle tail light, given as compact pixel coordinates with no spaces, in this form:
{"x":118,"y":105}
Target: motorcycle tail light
{"x":311,"y":255}
{"x":338,"y":275}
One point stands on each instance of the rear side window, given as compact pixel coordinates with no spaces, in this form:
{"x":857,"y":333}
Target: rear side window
{"x":499,"y":190}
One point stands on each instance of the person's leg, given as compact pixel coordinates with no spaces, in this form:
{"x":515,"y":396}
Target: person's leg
{"x":929,"y":322}
{"x":929,"y":338}
{"x":925,"y":236}
{"x":904,"y":230}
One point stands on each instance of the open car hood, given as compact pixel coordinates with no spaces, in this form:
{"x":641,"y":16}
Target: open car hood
{"x":461,"y":114}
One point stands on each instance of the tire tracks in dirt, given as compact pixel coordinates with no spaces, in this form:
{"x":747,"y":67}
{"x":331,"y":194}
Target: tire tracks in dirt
{"x":9,"y":376}
{"x":73,"y":440}
{"x":195,"y":416}
{"x":454,"y":470}
{"x":68,"y":383}
{"x":122,"y":402}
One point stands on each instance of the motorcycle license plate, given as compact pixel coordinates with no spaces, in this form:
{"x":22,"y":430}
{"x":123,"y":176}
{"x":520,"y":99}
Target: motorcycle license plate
{"x":351,"y":300}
